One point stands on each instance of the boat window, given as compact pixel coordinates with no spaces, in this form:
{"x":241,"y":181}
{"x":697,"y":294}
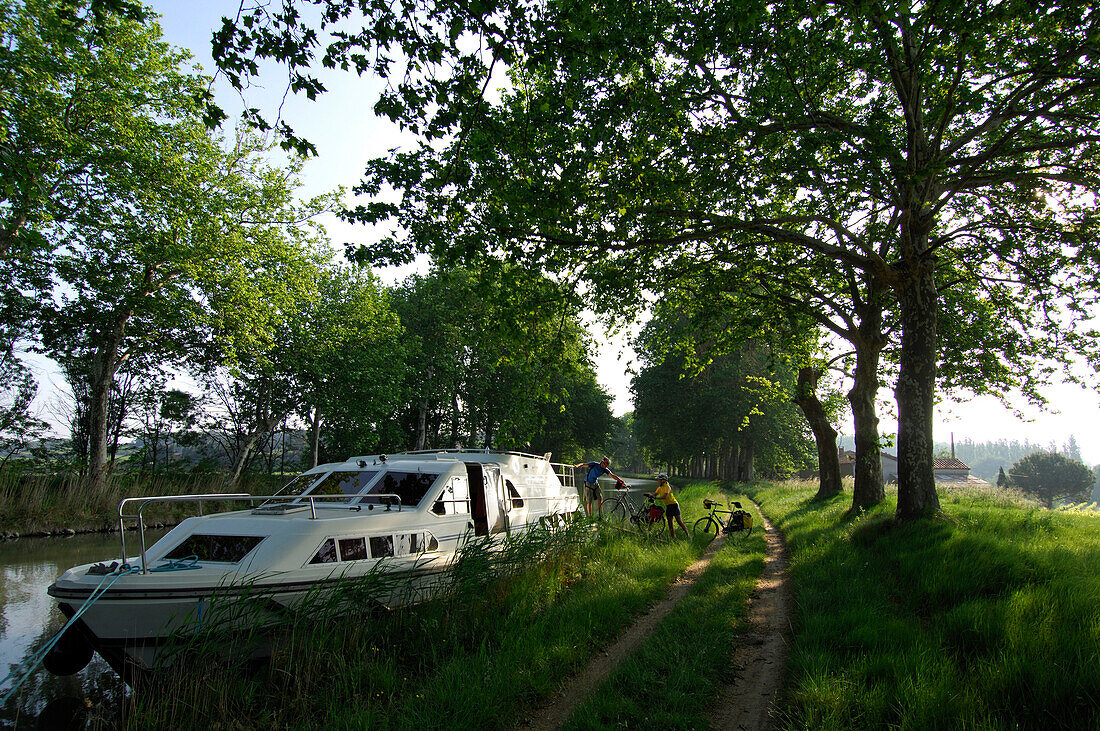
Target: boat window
{"x":381,"y":546}
{"x":347,"y":483}
{"x":222,"y":549}
{"x":326,"y":553}
{"x":406,"y":544}
{"x":514,"y":500}
{"x":353,"y":549}
{"x":452,"y":500}
{"x":410,"y":487}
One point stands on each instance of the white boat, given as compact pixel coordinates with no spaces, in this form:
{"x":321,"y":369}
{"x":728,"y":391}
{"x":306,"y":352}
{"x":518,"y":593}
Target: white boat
{"x":403,"y":515}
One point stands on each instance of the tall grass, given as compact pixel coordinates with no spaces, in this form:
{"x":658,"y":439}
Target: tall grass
{"x":507,"y":627}
{"x":47,"y":503}
{"x":987,"y":617}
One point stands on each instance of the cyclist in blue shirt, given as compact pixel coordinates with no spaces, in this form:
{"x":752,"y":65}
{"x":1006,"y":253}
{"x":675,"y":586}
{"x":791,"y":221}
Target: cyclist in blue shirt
{"x":596,"y":470}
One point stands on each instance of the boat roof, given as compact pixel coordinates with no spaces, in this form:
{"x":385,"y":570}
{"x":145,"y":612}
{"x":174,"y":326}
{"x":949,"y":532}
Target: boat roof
{"x":445,"y":456}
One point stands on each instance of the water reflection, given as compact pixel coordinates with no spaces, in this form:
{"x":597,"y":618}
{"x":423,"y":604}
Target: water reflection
{"x":29,"y":618}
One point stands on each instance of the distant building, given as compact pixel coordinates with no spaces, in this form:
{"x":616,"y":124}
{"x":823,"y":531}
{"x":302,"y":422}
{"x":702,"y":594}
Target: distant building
{"x":950,"y":469}
{"x":946,"y":470}
{"x":888,"y":461}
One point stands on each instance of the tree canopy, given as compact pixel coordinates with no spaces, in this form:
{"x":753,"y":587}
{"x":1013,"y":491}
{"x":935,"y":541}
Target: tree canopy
{"x":498,"y":357}
{"x":714,"y":404}
{"x":140,"y":249}
{"x":915,"y":146}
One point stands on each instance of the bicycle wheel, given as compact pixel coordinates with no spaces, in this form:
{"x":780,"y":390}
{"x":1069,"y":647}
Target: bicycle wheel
{"x":706,"y":526}
{"x":615,"y":511}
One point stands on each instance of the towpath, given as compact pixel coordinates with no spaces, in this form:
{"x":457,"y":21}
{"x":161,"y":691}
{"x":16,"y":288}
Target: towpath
{"x":758,"y":661}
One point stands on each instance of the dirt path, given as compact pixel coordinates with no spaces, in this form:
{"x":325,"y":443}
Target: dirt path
{"x":761,"y":657}
{"x":761,"y":674}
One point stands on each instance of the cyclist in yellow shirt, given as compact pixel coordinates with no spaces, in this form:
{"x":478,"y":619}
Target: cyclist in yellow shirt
{"x":672,"y":508}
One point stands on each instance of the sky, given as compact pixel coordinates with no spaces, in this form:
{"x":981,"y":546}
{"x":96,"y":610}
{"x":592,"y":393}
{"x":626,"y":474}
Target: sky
{"x":343,"y":127}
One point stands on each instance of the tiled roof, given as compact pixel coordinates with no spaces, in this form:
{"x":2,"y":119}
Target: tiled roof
{"x":949,"y":464}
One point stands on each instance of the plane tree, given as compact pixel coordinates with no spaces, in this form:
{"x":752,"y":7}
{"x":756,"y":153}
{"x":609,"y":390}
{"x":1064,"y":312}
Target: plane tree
{"x":343,"y":345}
{"x":19,"y":427}
{"x":814,"y":309}
{"x":74,"y":90}
{"x":907,"y":142}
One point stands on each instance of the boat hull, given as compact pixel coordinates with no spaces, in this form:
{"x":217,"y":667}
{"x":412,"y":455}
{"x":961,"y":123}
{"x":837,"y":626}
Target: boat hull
{"x":140,"y":628}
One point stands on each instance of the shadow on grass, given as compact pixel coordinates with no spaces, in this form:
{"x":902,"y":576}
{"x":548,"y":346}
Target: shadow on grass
{"x":982,"y":617}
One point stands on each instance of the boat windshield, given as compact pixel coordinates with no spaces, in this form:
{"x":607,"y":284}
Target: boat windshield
{"x":298,"y":485}
{"x":346,"y":483}
{"x":410,"y":487}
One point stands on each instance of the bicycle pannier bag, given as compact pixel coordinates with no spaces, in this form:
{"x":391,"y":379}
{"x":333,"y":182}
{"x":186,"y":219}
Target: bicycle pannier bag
{"x":740,"y":520}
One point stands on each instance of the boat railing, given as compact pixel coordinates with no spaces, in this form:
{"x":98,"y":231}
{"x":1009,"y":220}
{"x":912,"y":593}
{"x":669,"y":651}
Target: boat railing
{"x":389,"y":500}
{"x":460,"y":450}
{"x":566,"y":473}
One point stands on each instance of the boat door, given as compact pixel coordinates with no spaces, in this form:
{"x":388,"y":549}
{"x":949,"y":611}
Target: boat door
{"x":486,"y":497}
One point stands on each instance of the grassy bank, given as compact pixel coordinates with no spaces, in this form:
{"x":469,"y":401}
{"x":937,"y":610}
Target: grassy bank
{"x":988,"y":617}
{"x":673,"y":678}
{"x":37,"y":504}
{"x":482,"y":656}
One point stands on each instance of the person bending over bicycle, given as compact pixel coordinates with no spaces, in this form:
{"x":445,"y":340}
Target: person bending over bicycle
{"x":592,"y":491}
{"x":672,"y":508}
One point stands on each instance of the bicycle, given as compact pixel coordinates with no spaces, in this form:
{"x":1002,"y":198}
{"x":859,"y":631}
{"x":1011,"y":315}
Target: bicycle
{"x":737,"y":525}
{"x":647,"y":518}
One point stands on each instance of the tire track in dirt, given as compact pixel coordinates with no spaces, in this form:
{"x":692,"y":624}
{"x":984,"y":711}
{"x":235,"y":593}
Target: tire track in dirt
{"x":578,"y":688}
{"x":758,"y":662}
{"x":760,"y":659}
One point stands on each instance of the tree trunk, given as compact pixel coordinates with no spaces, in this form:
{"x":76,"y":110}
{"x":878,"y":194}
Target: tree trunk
{"x":489,"y":428}
{"x":156,"y":449}
{"x":828,"y":461}
{"x":119,"y":418}
{"x":454,"y":419}
{"x":315,"y":438}
{"x":868,"y":488}
{"x":104,"y":365}
{"x":746,"y":470}
{"x":264,"y":427}
{"x":282,"y":448}
{"x":422,"y":426}
{"x":915,"y":390}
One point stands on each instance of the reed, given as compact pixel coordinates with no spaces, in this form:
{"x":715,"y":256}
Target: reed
{"x":53,"y":502}
{"x":987,"y":617}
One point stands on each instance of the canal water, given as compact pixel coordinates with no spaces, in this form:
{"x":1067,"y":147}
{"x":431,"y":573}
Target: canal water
{"x":29,"y":618}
